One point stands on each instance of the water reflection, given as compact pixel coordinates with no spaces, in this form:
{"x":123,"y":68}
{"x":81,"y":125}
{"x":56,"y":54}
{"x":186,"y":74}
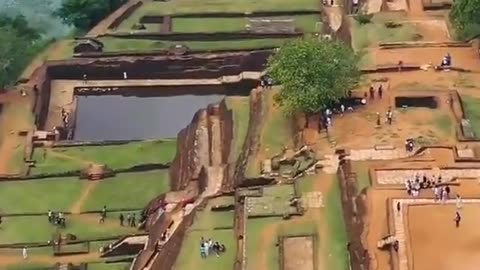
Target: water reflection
{"x":112,"y":117}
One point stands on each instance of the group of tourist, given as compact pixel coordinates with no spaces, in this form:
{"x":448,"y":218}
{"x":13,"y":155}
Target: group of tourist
{"x":208,"y":247}
{"x":57,"y":219}
{"x":371,"y":92}
{"x":413,"y":186}
{"x":130,"y":220}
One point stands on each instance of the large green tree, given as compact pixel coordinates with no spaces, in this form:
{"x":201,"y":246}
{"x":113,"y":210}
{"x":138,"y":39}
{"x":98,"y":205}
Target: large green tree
{"x":85,"y":14}
{"x":314,"y":74}
{"x":465,"y":15}
{"x":15,"y":53}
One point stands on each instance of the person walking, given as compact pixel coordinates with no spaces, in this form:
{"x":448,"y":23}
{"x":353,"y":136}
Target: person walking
{"x":459,"y":202}
{"x":24,"y":253}
{"x":134,"y":220}
{"x":457,"y":219}
{"x":121,"y":219}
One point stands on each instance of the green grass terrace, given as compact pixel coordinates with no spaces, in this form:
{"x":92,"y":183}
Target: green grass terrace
{"x":26,"y":229}
{"x":208,"y":224}
{"x":472,"y":113}
{"x":114,"y":44}
{"x":127,"y":190}
{"x":303,"y":23}
{"x":192,"y":6}
{"x":370,"y":34}
{"x":63,"y":159}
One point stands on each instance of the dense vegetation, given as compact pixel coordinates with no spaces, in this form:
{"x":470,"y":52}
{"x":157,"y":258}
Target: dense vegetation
{"x":465,"y":15}
{"x":313,"y":74}
{"x":85,"y":14}
{"x":18,"y":43}
{"x":25,"y":29}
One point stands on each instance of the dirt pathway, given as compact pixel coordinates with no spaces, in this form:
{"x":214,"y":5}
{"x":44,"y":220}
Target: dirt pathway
{"x":77,"y":207}
{"x":12,"y":120}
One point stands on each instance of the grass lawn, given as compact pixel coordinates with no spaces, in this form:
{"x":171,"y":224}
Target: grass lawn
{"x":38,"y":229}
{"x":94,"y":247}
{"x":240,"y":107}
{"x":115,"y":156}
{"x":305,"y":23}
{"x":337,"y":240}
{"x":189,"y":257}
{"x":128,"y":190}
{"x":279,"y":191}
{"x":208,"y":220}
{"x":370,"y":34}
{"x":277,"y":130}
{"x":192,"y":6}
{"x":39,"y":195}
{"x":275,"y":135}
{"x":306,"y":183}
{"x":255,"y":227}
{"x":361,"y":168}
{"x":113,"y":44}
{"x":472,"y":112}
{"x":204,"y":226}
{"x":444,"y":123}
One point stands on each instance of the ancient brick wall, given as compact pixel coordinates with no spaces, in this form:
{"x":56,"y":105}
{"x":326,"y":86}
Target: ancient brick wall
{"x":183,"y":165}
{"x":169,"y":252}
{"x":354,"y":208}
{"x":126,"y":13}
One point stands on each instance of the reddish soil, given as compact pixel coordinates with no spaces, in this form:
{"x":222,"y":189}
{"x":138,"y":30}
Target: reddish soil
{"x":427,"y":242}
{"x":298,"y":253}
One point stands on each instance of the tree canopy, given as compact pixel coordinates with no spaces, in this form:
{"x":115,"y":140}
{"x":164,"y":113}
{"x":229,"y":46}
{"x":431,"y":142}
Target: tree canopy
{"x":465,"y":15}
{"x":314,"y":74}
{"x":85,"y":14}
{"x":15,"y":53}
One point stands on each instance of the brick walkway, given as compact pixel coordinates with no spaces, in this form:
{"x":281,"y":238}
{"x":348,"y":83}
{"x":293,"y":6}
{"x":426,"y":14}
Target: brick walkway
{"x":399,"y":224}
{"x":398,"y":177}
{"x":373,"y":154}
{"x":313,"y":199}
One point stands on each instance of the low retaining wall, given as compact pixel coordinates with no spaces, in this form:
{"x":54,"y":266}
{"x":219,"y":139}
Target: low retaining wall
{"x":127,"y":12}
{"x":354,"y":208}
{"x":437,"y":6}
{"x":165,"y":52}
{"x":244,"y":14}
{"x":78,"y":173}
{"x":168,"y":253}
{"x":205,"y":36}
{"x":161,"y":67}
{"x":404,"y":45}
{"x":217,"y":87}
{"x":71,"y":143}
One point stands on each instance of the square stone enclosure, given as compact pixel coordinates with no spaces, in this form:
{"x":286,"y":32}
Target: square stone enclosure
{"x":425,"y":229}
